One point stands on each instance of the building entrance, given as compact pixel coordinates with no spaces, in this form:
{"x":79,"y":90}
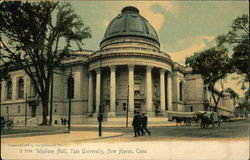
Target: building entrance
{"x":33,"y":111}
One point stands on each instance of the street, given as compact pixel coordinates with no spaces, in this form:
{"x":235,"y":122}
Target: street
{"x":228,"y":130}
{"x":230,"y":141}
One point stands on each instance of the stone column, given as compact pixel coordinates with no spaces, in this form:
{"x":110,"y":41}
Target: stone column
{"x":98,"y":89}
{"x":90,"y":95}
{"x":149,"y":90}
{"x":14,"y":88}
{"x":112,"y":91}
{"x":3,"y":91}
{"x":169,"y":90}
{"x":131,"y":87}
{"x":162,"y":88}
{"x":77,"y":81}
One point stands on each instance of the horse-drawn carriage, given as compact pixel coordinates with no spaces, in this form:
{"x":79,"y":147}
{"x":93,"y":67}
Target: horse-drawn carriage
{"x":207,"y":118}
{"x":182,"y":118}
{"x":186,"y":118}
{"x":8,"y":123}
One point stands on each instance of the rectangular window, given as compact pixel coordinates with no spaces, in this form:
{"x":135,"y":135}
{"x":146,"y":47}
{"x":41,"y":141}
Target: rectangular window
{"x":7,"y":110}
{"x":18,"y":109}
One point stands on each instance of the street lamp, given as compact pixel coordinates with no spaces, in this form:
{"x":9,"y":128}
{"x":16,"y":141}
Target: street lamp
{"x":100,"y":119}
{"x":127,"y":108}
{"x":25,"y":114}
{"x":70,"y":96}
{"x":100,"y":114}
{"x":51,"y":98}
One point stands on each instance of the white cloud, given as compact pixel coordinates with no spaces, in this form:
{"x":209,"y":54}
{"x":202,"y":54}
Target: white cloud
{"x":235,"y":84}
{"x":198,"y":44}
{"x":145,"y":7}
{"x":106,"y":23}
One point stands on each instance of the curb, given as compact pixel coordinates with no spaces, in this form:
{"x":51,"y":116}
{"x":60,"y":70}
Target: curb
{"x":56,"y":132}
{"x":91,"y":139}
{"x":34,"y":134}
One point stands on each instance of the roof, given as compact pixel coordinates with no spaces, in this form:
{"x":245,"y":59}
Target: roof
{"x":130,"y":24}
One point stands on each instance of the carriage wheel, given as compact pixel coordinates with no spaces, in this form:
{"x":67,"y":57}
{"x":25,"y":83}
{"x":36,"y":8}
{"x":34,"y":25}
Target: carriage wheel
{"x":10,"y":125}
{"x":2,"y":125}
{"x":206,"y":125}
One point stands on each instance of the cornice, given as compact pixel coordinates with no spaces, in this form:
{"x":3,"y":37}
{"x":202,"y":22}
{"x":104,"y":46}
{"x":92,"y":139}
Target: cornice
{"x":129,"y":54}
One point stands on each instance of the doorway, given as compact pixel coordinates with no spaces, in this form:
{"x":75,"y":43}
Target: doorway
{"x":33,"y":111}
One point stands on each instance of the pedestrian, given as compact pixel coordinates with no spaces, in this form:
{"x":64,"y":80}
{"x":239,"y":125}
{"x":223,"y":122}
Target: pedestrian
{"x":136,"y":124}
{"x":144,"y":124}
{"x":140,"y":124}
{"x":61,"y":121}
{"x":64,"y":122}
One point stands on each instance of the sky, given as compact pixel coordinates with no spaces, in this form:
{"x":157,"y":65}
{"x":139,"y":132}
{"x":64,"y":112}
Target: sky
{"x":183,"y":27}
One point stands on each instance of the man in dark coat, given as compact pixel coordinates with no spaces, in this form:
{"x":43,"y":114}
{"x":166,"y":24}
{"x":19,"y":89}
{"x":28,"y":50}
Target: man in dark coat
{"x":136,"y":124}
{"x":144,"y":124}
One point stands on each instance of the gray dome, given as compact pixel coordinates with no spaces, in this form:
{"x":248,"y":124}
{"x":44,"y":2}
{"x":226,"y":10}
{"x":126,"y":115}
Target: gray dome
{"x":130,"y":23}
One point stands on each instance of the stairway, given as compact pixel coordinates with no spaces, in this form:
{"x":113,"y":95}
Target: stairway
{"x":35,"y":121}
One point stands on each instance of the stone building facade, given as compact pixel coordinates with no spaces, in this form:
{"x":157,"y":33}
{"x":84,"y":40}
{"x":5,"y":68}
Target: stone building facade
{"x":128,"y":72}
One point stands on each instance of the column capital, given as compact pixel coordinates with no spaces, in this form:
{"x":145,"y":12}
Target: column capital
{"x":90,"y":72}
{"x":112,"y":68}
{"x":149,"y":68}
{"x":170,"y":73}
{"x":98,"y":70}
{"x":131,"y":67}
{"x":163,"y":71}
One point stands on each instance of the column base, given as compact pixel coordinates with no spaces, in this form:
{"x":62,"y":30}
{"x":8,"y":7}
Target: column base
{"x":111,"y":114}
{"x":164,"y":113}
{"x":150,"y":114}
{"x":95,"y":114}
{"x":90,"y":114}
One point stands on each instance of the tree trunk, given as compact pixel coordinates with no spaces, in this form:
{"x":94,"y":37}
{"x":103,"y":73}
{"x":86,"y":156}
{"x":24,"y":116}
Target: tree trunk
{"x":45,"y":103}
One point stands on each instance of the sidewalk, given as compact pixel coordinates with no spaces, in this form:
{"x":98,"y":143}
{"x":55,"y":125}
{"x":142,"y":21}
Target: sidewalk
{"x":61,"y":139}
{"x":124,"y":125}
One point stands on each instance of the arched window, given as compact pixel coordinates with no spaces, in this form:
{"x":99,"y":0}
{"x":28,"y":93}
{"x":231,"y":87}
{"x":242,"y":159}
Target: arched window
{"x":20,"y":88}
{"x":9,"y":90}
{"x":33,"y":91}
{"x":70,"y":87}
{"x":181,"y":91}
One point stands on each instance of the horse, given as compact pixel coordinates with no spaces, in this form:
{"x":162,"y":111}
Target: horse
{"x":187,"y":121}
{"x":207,"y":119}
{"x":178,"y":120}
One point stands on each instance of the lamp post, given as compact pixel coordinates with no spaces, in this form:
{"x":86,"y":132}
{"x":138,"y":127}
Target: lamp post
{"x":25,"y":114}
{"x":100,"y":119}
{"x":70,"y":96}
{"x":0,"y":93}
{"x":127,"y":109}
{"x":51,"y":98}
{"x":100,"y":114}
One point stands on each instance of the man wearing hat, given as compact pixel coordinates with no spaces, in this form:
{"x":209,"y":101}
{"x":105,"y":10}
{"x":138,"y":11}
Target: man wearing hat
{"x":144,"y":124}
{"x":137,"y":123}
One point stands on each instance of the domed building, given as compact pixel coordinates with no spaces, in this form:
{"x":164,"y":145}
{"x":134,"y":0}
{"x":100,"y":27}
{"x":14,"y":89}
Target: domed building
{"x":128,"y":73}
{"x":129,"y":69}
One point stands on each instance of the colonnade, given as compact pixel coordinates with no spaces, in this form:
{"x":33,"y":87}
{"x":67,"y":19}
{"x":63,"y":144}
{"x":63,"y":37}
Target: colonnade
{"x":149,"y":96}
